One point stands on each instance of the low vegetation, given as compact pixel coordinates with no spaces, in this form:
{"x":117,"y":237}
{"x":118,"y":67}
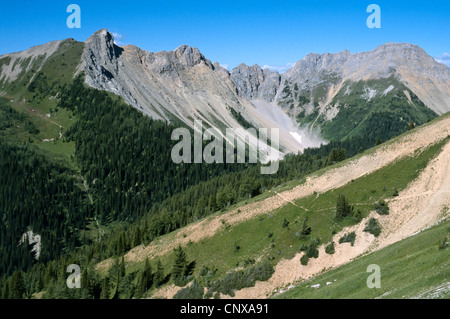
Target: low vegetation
{"x":373,"y":227}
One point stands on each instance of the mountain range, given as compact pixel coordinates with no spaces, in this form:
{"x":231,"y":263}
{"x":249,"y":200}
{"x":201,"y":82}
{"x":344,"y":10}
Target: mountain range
{"x":322,"y":97}
{"x":88,"y":179}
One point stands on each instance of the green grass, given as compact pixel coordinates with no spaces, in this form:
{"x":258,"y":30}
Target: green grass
{"x":36,"y":106}
{"x":408,"y":269}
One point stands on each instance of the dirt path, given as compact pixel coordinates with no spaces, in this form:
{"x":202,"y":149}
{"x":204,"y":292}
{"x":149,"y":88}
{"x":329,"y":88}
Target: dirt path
{"x":287,"y":271}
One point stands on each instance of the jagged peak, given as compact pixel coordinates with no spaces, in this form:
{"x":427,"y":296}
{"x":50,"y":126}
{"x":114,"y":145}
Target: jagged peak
{"x":256,"y":67}
{"x":240,"y":67}
{"x":102,"y":34}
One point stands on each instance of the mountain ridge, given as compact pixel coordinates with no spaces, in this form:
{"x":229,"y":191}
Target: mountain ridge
{"x":182,"y":85}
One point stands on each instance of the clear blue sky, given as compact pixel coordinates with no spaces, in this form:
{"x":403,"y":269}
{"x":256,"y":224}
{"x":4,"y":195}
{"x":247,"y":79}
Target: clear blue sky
{"x":263,"y":32}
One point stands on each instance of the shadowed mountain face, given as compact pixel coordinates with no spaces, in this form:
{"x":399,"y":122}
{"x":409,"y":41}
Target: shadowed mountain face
{"x":341,"y":95}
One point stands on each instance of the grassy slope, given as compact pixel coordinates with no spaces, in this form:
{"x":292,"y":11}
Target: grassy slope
{"x":382,"y":116}
{"x":59,"y":69}
{"x":252,"y":236}
{"x":408,"y":269}
{"x":360,"y":114}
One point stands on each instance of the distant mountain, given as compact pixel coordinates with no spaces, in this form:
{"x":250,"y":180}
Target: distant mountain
{"x":342,"y":94}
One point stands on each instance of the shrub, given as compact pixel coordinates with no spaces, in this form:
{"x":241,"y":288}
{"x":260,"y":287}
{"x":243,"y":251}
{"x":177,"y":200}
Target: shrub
{"x":348,"y":238}
{"x":194,"y":291}
{"x":357,"y":216}
{"x":373,"y":227}
{"x":443,"y":244}
{"x":304,"y":260}
{"x":237,"y":280}
{"x":329,"y":249}
{"x":207,"y":272}
{"x":382,"y":208}
{"x":312,"y":251}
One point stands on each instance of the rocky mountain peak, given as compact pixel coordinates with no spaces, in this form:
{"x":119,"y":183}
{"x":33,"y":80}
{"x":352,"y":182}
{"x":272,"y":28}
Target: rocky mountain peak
{"x":189,"y":56}
{"x":253,"y":82}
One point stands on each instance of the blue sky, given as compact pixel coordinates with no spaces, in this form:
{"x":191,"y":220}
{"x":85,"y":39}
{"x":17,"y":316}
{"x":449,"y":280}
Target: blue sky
{"x":272,"y":33}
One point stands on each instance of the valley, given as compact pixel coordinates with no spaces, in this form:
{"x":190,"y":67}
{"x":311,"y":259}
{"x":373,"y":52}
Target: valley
{"x":86,"y":138}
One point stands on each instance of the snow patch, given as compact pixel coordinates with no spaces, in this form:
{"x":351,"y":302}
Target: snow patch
{"x":297,"y":137}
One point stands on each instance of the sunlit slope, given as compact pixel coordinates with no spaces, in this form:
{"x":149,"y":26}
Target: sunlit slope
{"x":415,"y":267}
{"x":255,"y":232}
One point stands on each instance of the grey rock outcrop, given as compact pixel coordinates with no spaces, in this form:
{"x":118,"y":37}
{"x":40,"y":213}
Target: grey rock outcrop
{"x":255,"y":83}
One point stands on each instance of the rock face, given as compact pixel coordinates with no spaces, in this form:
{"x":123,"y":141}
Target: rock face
{"x":255,"y":83}
{"x":181,"y":86}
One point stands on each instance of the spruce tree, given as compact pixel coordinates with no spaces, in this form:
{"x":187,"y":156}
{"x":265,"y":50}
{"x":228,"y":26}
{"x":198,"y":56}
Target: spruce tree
{"x":158,"y":278}
{"x":122,"y":267}
{"x":6,"y":292}
{"x":179,"y":266}
{"x":343,"y":208}
{"x":105,"y":288}
{"x":306,"y":230}
{"x":137,"y":237}
{"x":17,"y":285}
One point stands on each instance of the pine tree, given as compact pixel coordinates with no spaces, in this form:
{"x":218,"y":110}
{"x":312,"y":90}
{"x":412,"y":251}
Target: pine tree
{"x":105,"y":288}
{"x":137,"y":237}
{"x":6,"y":292}
{"x":122,"y":267}
{"x":343,"y":209}
{"x":306,"y":230}
{"x":158,"y":277}
{"x":179,"y":266}
{"x":379,"y":141}
{"x":145,"y":280}
{"x":212,"y":203}
{"x":17,"y":285}
{"x":337,"y":155}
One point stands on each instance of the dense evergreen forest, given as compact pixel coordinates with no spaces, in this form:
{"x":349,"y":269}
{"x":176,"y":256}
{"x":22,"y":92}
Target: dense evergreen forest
{"x":125,"y":156}
{"x":39,"y":195}
{"x":125,"y":174}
